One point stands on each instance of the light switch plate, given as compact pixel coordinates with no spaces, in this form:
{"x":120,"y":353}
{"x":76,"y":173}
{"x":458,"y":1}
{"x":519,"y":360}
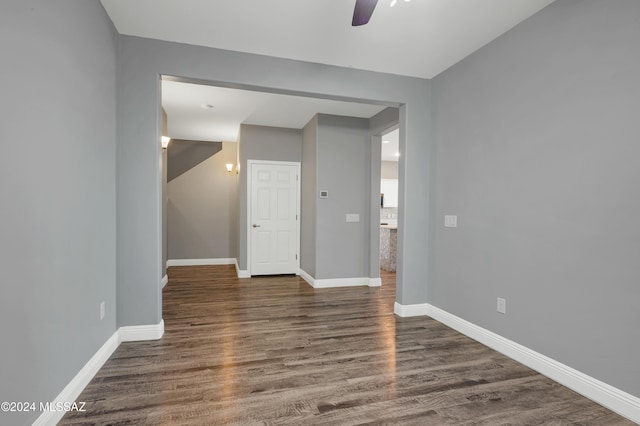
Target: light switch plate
{"x":450,"y":221}
{"x":501,"y":305}
{"x":353,"y":217}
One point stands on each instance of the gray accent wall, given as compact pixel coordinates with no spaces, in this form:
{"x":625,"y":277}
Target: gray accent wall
{"x":336,"y":155}
{"x":165,"y":197}
{"x":183,"y":155}
{"x":342,"y":168}
{"x":342,"y":156}
{"x":202,"y":206}
{"x":139,"y":191}
{"x":384,"y":121}
{"x":537,"y":155}
{"x":58,"y":192}
{"x":308,"y":196}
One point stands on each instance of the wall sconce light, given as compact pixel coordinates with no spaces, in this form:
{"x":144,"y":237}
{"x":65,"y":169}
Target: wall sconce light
{"x":165,"y":141}
{"x":229,"y":167}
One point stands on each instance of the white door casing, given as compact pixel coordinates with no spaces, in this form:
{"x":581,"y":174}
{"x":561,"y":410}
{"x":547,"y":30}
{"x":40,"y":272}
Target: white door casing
{"x":273,"y":220}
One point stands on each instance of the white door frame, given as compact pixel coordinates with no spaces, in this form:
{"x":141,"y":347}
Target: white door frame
{"x":250,"y":164}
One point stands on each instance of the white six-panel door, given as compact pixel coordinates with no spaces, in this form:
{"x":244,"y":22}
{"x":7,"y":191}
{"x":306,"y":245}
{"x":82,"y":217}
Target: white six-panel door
{"x":273,"y":218}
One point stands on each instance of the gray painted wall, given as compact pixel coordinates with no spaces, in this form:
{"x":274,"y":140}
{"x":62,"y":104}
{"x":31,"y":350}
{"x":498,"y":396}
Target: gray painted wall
{"x":343,"y":159}
{"x":183,"y":155}
{"x":309,"y":196}
{"x":57,"y":186}
{"x":138,"y":192}
{"x":236,"y":224}
{"x":141,"y":61}
{"x":341,"y":155}
{"x":165,"y":197}
{"x":262,"y":143}
{"x":202,"y":207}
{"x":384,"y":121}
{"x":537,"y":154}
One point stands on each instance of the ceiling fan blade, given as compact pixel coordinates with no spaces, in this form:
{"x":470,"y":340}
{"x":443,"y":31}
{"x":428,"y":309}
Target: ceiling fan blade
{"x":363,"y":11}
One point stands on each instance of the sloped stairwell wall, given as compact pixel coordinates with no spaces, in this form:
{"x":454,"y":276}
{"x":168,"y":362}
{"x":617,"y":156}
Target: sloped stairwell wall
{"x":183,"y":155}
{"x":202,"y":208}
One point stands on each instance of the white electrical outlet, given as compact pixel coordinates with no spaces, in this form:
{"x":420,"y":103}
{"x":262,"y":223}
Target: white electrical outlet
{"x":502,"y":305}
{"x":101,"y":310}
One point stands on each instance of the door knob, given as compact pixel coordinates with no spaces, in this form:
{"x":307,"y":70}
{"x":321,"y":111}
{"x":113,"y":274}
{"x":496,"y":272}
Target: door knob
{"x":255,"y":226}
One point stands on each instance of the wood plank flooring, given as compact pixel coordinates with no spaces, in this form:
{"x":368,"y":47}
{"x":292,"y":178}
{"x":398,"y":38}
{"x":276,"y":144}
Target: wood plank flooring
{"x":274,"y":351}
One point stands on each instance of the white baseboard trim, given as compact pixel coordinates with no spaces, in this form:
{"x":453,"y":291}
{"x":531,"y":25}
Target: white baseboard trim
{"x":240,"y":272}
{"x":165,"y":280}
{"x":72,"y":391}
{"x":410,"y":310}
{"x":305,"y":276}
{"x":200,"y":262}
{"x":339,"y":282}
{"x":137,"y":333}
{"x":613,"y":398}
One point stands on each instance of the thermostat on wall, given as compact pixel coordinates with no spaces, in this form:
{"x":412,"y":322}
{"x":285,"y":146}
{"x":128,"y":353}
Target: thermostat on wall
{"x":324,"y":194}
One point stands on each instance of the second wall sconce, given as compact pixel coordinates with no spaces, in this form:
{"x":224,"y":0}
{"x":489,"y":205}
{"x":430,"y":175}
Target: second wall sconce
{"x":165,"y":141}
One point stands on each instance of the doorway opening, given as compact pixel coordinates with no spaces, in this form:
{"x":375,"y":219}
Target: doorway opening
{"x":390,"y":154}
{"x":238,"y":226}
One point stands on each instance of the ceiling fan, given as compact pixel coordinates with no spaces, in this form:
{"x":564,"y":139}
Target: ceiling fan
{"x":363,"y":11}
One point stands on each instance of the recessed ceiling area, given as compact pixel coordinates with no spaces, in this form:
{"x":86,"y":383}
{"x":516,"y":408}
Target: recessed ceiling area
{"x":420,"y":38}
{"x":211,"y":113}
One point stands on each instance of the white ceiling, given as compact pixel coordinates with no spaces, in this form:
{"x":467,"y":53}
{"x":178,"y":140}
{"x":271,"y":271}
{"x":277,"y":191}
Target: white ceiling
{"x":421,"y":38}
{"x":186,"y":119}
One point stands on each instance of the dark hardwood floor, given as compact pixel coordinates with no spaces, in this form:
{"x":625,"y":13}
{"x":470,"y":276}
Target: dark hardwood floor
{"x":274,"y":351}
